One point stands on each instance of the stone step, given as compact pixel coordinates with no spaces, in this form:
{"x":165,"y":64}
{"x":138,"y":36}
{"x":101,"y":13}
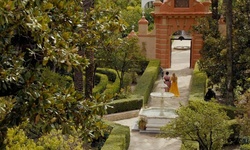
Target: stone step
{"x":150,"y":131}
{"x":158,"y":121}
{"x":135,"y":127}
{"x":155,"y":125}
{"x":153,"y":129}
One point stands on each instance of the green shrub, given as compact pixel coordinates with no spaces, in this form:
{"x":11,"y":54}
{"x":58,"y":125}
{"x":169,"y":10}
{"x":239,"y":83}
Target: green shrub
{"x":56,"y":79}
{"x":128,"y":79}
{"x":140,"y":70}
{"x":114,"y":85}
{"x":101,"y":86}
{"x":189,"y":145}
{"x":111,"y":73}
{"x":198,"y":84}
{"x":16,"y":139}
{"x":202,"y":122}
{"x":147,"y":80}
{"x":119,"y":138}
{"x":55,"y":140}
{"x":141,"y":93}
{"x":123,"y":105}
{"x":115,"y":142}
{"x":113,"y":88}
{"x":6,"y":104}
{"x":245,"y":147}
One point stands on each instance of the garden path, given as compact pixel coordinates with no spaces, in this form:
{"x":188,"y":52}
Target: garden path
{"x":180,"y":66}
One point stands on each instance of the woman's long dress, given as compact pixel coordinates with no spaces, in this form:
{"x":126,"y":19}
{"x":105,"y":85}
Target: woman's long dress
{"x":167,"y":82}
{"x":174,"y":87}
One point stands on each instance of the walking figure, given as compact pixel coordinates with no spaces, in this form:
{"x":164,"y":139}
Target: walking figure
{"x":167,"y":81}
{"x":174,"y":86}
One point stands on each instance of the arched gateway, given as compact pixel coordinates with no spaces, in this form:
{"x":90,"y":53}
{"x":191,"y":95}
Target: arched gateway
{"x":169,"y":17}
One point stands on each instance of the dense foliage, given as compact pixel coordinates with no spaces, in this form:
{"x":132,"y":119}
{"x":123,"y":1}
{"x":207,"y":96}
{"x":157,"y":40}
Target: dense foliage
{"x":124,"y":56}
{"x":216,"y":62}
{"x":115,"y":50}
{"x":214,"y":52}
{"x":202,"y":122}
{"x":40,"y":46}
{"x":16,"y":139}
{"x":44,"y":34}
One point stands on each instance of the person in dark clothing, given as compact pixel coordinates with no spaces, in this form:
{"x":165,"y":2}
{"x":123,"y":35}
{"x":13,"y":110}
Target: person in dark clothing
{"x":209,"y":95}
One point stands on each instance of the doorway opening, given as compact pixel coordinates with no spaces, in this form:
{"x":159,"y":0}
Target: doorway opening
{"x":181,"y":45}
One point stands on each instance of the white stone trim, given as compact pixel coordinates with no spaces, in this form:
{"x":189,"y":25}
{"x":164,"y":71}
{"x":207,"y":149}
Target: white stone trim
{"x":144,"y":2}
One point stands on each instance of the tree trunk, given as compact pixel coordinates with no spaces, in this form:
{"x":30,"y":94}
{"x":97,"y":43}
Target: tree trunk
{"x":215,"y":14}
{"x":86,"y":4}
{"x":78,"y":75}
{"x":90,"y":74}
{"x":229,"y":22}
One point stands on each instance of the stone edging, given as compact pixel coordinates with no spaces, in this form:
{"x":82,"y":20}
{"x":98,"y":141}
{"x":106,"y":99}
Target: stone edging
{"x":122,"y":115}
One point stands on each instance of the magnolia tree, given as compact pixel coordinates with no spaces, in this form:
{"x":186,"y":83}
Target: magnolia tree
{"x":35,"y":35}
{"x":202,"y":122}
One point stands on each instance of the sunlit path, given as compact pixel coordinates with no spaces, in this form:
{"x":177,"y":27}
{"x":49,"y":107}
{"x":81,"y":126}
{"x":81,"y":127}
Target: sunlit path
{"x":180,"y":65}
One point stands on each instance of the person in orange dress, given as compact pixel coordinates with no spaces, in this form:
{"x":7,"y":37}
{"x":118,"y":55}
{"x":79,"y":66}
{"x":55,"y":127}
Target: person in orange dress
{"x":174,"y":85}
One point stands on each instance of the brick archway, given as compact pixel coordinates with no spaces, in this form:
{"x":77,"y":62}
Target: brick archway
{"x":144,"y":2}
{"x":170,"y":17}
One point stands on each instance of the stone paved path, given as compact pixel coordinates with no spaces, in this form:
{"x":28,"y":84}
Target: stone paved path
{"x":180,"y":65}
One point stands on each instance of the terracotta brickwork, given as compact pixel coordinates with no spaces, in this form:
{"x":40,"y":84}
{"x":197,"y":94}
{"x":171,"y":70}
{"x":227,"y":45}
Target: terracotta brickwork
{"x":167,"y":20}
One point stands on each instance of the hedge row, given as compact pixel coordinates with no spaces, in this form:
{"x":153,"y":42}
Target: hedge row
{"x":123,"y":105}
{"x":111,"y":73}
{"x":146,"y":81}
{"x":198,"y":90}
{"x":119,"y":138}
{"x":142,"y":90}
{"x":198,"y":84}
{"x":102,"y":84}
{"x":113,"y":78}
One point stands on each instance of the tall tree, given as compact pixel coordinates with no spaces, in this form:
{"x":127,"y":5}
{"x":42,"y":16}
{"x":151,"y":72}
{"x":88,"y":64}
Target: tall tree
{"x":87,"y":5}
{"x":89,"y":53}
{"x":241,"y":51}
{"x":229,"y":46}
{"x":35,"y":35}
{"x":226,"y":63}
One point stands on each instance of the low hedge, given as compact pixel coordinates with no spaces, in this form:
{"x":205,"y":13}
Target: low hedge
{"x":119,"y":138}
{"x":146,"y":81}
{"x":101,"y":86}
{"x":111,"y":73}
{"x":141,"y":93}
{"x":198,"y":84}
{"x":114,"y":85}
{"x":125,"y":105}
